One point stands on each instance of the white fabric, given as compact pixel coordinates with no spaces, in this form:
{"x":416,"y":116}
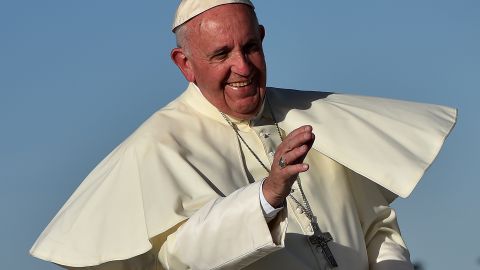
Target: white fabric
{"x":269,"y":212}
{"x":233,"y":247}
{"x":358,"y":217}
{"x":187,"y":9}
{"x":390,"y":142}
{"x":162,"y":175}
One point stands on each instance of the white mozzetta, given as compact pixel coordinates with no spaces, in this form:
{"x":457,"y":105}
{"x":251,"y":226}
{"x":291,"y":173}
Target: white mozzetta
{"x":183,"y":159}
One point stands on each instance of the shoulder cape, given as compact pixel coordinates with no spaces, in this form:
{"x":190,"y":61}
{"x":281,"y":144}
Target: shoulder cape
{"x":162,"y":173}
{"x":388,"y":141}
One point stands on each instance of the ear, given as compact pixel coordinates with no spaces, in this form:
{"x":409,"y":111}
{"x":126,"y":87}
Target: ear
{"x":261,"y":29}
{"x":183,"y":63}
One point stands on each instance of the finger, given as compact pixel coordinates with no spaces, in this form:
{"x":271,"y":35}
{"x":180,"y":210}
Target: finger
{"x":296,"y":155}
{"x":305,"y":128}
{"x":298,"y":140}
{"x":291,"y":171}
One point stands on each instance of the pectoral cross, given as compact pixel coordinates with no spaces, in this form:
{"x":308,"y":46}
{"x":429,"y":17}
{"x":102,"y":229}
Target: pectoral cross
{"x":320,"y":240}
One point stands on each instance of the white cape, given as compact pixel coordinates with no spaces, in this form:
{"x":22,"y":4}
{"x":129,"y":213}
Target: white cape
{"x":162,"y":173}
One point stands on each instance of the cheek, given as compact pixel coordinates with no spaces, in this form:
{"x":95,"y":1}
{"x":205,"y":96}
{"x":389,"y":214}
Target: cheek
{"x":216,"y":76}
{"x":208,"y":74}
{"x":259,"y":61}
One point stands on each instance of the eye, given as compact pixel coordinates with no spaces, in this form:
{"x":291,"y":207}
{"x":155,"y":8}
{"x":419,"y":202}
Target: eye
{"x":252,"y":47}
{"x":220,"y":54}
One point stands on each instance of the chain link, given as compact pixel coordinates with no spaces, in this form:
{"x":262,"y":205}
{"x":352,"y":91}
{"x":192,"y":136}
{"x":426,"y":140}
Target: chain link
{"x":305,"y":206}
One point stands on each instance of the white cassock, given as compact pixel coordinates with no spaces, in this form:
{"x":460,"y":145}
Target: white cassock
{"x":185,"y":174}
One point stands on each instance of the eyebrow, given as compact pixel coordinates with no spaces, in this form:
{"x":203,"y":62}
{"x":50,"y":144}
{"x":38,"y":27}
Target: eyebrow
{"x":219,"y":51}
{"x":226,"y":48}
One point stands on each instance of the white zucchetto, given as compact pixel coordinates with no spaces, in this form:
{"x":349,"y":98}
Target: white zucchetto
{"x":187,"y":9}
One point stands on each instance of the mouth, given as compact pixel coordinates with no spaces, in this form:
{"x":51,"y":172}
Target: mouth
{"x":240,"y":83}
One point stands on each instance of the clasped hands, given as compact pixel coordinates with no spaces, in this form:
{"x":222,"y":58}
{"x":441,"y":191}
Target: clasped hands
{"x":292,"y":151}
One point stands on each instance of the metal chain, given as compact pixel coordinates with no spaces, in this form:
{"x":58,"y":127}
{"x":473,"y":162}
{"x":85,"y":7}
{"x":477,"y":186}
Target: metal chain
{"x":244,"y":142}
{"x":305,"y":206}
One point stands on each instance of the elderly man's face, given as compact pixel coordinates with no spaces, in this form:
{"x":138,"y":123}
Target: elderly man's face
{"x":225,"y":59}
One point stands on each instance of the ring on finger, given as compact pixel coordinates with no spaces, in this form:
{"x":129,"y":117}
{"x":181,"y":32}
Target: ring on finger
{"x":282,"y":162}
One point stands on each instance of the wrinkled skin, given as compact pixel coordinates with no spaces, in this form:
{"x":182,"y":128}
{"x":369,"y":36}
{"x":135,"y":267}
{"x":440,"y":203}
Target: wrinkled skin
{"x":225,"y":59}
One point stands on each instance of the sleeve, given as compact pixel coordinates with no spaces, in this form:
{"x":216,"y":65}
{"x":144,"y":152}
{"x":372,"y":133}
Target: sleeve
{"x":269,"y":212}
{"x":385,"y":246}
{"x":228,"y":232}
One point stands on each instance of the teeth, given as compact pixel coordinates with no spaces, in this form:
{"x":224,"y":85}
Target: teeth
{"x":240,"y":84}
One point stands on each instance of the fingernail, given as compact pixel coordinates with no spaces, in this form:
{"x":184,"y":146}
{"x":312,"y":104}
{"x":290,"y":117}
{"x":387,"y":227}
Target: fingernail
{"x":305,"y":166}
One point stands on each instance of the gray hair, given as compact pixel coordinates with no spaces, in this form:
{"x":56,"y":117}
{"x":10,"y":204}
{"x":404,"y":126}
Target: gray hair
{"x":182,"y":36}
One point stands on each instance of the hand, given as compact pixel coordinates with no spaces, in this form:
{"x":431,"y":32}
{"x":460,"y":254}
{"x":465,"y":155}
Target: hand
{"x":293,"y":149}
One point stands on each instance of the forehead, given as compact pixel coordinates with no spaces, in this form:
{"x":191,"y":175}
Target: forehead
{"x":225,"y":22}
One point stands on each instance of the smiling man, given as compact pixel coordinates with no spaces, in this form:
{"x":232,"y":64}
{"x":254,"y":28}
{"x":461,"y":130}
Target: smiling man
{"x":236,"y":175}
{"x":226,"y":60}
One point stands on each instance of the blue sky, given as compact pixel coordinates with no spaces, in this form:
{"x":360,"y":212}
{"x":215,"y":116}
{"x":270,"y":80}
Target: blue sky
{"x":78,"y":76}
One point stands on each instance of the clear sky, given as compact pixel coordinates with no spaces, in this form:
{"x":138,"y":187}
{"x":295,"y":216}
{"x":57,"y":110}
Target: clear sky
{"x":76,"y":77}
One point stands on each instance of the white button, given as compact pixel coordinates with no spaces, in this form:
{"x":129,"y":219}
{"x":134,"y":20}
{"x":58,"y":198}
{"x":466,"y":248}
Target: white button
{"x":292,"y":190}
{"x":309,"y":228}
{"x":299,"y":210}
{"x":271,"y":154}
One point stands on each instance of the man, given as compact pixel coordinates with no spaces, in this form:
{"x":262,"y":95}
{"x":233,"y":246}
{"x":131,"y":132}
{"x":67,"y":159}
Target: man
{"x":233,"y":174}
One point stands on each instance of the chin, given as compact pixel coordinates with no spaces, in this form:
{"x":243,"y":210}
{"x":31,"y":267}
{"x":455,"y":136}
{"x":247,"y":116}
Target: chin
{"x":249,"y":113}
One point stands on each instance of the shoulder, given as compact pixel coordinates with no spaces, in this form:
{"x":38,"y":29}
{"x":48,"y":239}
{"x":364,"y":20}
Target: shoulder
{"x":166,"y":125}
{"x":177,"y":129}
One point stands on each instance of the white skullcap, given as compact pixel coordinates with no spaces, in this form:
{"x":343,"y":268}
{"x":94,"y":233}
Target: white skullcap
{"x":187,"y":9}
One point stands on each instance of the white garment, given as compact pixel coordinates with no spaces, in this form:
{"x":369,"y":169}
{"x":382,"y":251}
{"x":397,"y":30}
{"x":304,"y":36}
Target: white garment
{"x":182,"y":162}
{"x":269,"y":212}
{"x":290,"y":250}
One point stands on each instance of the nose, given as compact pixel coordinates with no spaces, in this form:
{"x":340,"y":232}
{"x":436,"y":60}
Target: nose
{"x":241,"y":64}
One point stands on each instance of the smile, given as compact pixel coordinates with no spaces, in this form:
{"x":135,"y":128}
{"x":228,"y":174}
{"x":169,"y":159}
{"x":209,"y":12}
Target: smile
{"x":240,"y":84}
